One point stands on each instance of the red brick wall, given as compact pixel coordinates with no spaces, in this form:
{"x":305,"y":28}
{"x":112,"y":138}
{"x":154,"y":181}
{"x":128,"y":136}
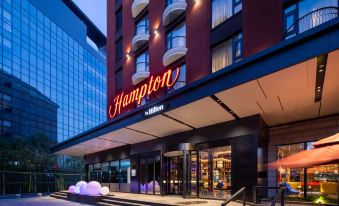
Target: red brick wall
{"x":262,"y":25}
{"x":308,"y":131}
{"x":110,"y":51}
{"x":198,"y":27}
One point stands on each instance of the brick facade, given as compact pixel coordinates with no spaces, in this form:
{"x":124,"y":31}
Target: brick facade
{"x":307,"y":131}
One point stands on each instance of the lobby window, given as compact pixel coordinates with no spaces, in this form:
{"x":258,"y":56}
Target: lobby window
{"x":307,"y":14}
{"x":319,"y":180}
{"x":118,"y":80}
{"x":5,"y":128}
{"x":118,"y":20}
{"x":142,"y":26}
{"x":223,"y":10}
{"x":118,"y":50}
{"x":227,"y":53}
{"x":5,"y":103}
{"x":176,"y":37}
{"x":215,"y":172}
{"x":142,"y":62}
{"x":150,"y":168}
{"x":181,"y":82}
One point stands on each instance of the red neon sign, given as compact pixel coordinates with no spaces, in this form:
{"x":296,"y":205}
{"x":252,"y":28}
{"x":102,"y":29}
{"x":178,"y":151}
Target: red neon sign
{"x":154,"y":84}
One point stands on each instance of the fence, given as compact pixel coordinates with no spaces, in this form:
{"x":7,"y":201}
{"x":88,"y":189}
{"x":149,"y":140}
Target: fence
{"x":34,"y":182}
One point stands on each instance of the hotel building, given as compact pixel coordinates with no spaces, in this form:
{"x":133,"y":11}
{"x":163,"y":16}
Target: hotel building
{"x":52,"y":70}
{"x":207,"y":91}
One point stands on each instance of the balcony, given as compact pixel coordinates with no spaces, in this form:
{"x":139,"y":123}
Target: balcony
{"x":311,"y":20}
{"x":173,"y":9}
{"x":141,"y":72}
{"x":176,"y":48}
{"x":138,"y":6}
{"x":141,"y":37}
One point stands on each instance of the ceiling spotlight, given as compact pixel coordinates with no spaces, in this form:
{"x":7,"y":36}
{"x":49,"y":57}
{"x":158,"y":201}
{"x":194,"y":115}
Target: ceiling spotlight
{"x":321,"y":66}
{"x":321,"y":70}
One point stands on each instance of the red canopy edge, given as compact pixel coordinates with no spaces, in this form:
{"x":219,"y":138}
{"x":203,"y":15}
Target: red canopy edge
{"x":334,"y":139}
{"x":308,"y":158}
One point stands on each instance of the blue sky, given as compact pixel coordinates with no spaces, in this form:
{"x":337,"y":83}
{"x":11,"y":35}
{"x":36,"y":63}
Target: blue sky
{"x":96,"y":11}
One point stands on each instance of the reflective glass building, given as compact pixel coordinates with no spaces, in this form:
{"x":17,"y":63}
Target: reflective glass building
{"x":53,"y":75}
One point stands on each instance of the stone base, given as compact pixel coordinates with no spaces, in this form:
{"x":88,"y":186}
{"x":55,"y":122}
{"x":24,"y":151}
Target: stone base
{"x":92,"y":200}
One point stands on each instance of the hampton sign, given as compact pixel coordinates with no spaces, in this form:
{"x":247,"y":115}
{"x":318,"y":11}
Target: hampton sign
{"x":135,"y":96}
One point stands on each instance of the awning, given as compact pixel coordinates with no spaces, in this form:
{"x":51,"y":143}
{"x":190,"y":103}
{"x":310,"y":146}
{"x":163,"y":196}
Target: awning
{"x":332,"y":140}
{"x":308,"y":158}
{"x":269,"y":83}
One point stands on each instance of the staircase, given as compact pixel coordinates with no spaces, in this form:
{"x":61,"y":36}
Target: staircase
{"x":112,"y":201}
{"x":59,"y":195}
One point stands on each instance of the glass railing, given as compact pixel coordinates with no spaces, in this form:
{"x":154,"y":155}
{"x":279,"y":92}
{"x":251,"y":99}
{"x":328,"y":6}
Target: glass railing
{"x":311,"y":20}
{"x":142,"y":29}
{"x":169,"y":2}
{"x":142,"y":67}
{"x":176,"y":41}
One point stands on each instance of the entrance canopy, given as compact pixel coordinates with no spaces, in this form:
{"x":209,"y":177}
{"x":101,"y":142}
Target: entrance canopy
{"x":295,"y":80}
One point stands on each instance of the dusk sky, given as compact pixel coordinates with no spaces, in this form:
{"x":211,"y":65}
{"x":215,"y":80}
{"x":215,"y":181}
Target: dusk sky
{"x":95,"y":10}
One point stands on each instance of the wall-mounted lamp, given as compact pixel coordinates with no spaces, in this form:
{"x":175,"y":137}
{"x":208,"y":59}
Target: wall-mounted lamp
{"x":155,"y":32}
{"x":128,"y":55}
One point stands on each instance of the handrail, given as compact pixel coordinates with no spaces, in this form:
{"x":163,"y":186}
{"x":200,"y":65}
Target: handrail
{"x":325,"y":13}
{"x":281,"y":194}
{"x":235,"y":195}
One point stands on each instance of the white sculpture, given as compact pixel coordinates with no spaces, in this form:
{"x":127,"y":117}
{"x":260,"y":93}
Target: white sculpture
{"x":93,"y":188}
{"x":71,"y":189}
{"x":104,"y":191}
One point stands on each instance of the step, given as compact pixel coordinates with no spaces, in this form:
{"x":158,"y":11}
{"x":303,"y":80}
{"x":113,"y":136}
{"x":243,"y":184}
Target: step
{"x":58,"y":196}
{"x":122,"y":202}
{"x":108,"y":199}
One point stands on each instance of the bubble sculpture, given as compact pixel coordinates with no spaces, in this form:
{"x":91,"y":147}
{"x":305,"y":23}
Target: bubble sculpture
{"x":93,"y":188}
{"x":71,"y":189}
{"x":104,"y":191}
{"x":78,"y":185}
{"x":83,"y":188}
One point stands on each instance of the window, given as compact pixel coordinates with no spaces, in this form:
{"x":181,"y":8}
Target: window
{"x":177,"y":37}
{"x":307,"y":14}
{"x":215,"y":172}
{"x":142,"y":62}
{"x":5,"y":102}
{"x":224,"y":9}
{"x":169,"y":2}
{"x":318,"y":180}
{"x":227,"y":53}
{"x":181,"y":82}
{"x":118,"y":80}
{"x":142,"y":26}
{"x":118,"y":50}
{"x":118,"y":20}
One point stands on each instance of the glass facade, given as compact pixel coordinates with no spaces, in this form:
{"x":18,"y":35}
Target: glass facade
{"x":64,"y":76}
{"x":227,"y":53}
{"x":177,"y":37}
{"x":114,"y":174}
{"x":315,"y":181}
{"x":215,"y":172}
{"x":223,"y":10}
{"x":307,"y":14}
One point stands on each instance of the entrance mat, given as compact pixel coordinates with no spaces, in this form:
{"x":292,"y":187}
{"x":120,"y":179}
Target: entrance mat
{"x":192,"y":203}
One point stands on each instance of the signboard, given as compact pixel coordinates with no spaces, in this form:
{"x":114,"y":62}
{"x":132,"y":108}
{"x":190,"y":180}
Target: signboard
{"x":133,"y":172}
{"x":135,"y":96}
{"x":156,"y":109}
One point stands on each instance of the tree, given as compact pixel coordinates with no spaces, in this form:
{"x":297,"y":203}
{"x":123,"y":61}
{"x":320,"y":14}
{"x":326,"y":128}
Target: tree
{"x":26,"y":153}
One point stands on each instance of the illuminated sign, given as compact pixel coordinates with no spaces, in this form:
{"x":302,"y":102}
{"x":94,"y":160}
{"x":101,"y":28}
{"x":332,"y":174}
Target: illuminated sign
{"x":154,"y":110}
{"x":154,"y":84}
{"x":133,"y":172}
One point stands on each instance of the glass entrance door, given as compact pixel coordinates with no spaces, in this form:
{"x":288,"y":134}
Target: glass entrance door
{"x":180,"y":174}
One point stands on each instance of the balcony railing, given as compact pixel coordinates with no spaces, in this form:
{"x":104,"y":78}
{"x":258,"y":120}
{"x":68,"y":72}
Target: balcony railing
{"x":142,"y":29}
{"x":176,"y":42}
{"x":142,"y":67}
{"x":141,"y":72}
{"x":174,"y":8}
{"x":311,"y":20}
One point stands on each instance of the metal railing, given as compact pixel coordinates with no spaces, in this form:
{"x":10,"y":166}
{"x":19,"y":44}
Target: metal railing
{"x":142,"y":29}
{"x":280,"y":194}
{"x":311,"y":20}
{"x":36,"y":182}
{"x":235,"y":196}
{"x":176,"y":41}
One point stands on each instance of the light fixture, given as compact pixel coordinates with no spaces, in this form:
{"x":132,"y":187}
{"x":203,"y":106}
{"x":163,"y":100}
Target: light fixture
{"x":321,"y":70}
{"x":128,"y":55}
{"x":155,"y":31}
